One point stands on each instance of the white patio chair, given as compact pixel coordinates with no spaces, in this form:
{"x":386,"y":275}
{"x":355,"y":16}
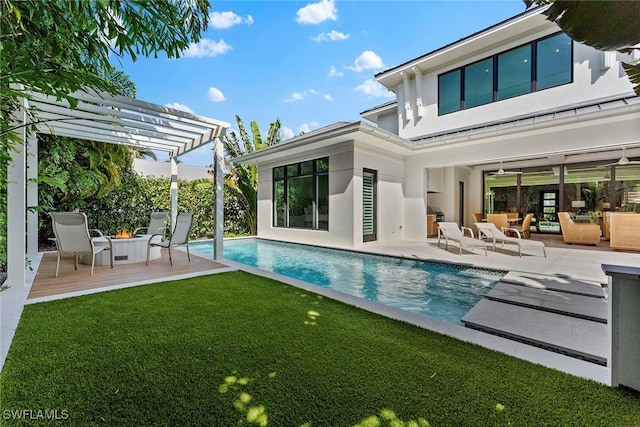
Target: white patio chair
{"x":450,"y":231}
{"x":179,"y":237}
{"x":490,"y":231}
{"x":157,"y":224}
{"x":73,"y":238}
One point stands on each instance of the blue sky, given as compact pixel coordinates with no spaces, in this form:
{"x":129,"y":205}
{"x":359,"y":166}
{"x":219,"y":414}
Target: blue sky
{"x":309,"y":63}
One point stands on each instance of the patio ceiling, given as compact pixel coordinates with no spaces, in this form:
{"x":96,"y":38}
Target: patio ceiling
{"x":123,"y":120}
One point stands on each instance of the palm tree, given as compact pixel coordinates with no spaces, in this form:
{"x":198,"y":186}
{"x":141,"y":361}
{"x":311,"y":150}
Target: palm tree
{"x":243,"y":179}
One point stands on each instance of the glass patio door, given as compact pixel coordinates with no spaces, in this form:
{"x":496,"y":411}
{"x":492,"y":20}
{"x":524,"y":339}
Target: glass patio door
{"x":369,"y":226}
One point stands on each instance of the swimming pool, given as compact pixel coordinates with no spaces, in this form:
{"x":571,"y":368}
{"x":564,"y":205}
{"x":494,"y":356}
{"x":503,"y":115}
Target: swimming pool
{"x":437,"y":290}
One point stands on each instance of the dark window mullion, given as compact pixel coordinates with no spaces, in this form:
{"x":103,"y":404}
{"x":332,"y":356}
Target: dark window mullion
{"x":462,"y":94}
{"x":534,"y":65}
{"x":495,"y":78}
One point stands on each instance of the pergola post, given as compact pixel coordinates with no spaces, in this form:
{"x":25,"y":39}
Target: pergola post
{"x":218,"y":163}
{"x":17,"y":203}
{"x":32,"y":197}
{"x":174,"y":191}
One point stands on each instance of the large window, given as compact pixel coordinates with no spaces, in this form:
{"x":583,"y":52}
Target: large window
{"x":449,"y":95}
{"x":478,"y":83}
{"x":538,"y":65}
{"x":514,"y":72}
{"x":301,"y":195}
{"x":553,"y":61}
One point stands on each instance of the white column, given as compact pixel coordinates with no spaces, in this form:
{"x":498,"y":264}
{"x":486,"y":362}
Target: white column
{"x":218,"y":163}
{"x":418,"y":73}
{"x":407,"y":96}
{"x":174,"y":192}
{"x":17,"y":205}
{"x":32,"y":197}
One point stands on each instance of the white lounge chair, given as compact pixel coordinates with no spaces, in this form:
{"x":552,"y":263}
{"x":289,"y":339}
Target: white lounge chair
{"x":157,"y":224}
{"x":179,"y":237}
{"x":73,"y":238}
{"x":450,"y":231}
{"x":489,"y":231}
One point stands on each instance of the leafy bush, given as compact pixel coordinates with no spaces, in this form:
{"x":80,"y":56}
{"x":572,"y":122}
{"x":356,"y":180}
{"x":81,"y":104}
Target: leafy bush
{"x":130,"y":205}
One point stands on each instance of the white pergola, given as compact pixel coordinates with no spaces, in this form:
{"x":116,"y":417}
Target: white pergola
{"x":105,"y":118}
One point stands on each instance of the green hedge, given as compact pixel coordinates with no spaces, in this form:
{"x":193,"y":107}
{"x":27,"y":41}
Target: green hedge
{"x":131,"y":204}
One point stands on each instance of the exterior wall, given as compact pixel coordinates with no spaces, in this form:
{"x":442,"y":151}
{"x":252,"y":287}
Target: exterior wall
{"x":342,"y":208}
{"x":389,"y":122}
{"x":390,"y":197}
{"x":346,"y":163}
{"x":590,"y":82}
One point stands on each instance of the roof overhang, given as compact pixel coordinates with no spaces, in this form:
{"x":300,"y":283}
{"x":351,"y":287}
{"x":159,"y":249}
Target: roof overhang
{"x":528,"y":22}
{"x":623,"y":112}
{"x":373,"y":114}
{"x":327,"y":136}
{"x":122,"y":120}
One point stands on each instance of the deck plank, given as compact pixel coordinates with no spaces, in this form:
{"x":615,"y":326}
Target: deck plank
{"x":71,"y":280}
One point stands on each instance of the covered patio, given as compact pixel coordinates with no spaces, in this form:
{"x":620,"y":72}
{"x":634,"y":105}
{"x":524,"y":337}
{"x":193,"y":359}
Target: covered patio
{"x":103,"y":118}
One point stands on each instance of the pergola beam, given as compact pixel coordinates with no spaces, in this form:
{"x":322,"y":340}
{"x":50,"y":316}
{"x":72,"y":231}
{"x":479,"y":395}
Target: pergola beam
{"x":103,"y":118}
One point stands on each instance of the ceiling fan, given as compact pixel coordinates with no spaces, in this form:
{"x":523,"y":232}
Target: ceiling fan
{"x":624,"y":161}
{"x":502,"y":172}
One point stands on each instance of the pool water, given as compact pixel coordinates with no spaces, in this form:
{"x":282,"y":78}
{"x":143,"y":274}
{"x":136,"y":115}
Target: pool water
{"x":437,"y":290}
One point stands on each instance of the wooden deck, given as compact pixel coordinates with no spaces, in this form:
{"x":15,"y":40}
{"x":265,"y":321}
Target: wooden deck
{"x":71,"y":280}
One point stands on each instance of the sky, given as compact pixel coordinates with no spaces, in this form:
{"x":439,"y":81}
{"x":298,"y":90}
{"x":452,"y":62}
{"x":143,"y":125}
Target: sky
{"x":308,"y":63}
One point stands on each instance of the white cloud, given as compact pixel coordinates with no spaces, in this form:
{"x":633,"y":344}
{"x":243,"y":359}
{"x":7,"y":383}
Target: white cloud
{"x":206,"y":48}
{"x":315,"y":13}
{"x":215,"y":95}
{"x":295,"y":96}
{"x":331,"y":36}
{"x":375,"y":89}
{"x":224,"y":20}
{"x":287,"y":133}
{"x":366,"y":61}
{"x":181,"y":107}
{"x":299,"y":96}
{"x":304,"y":128}
{"x":335,"y":73}
{"x":328,"y":97}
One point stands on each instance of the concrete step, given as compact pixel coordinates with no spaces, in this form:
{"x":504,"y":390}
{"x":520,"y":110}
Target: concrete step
{"x":555,"y":283}
{"x":584,"y":307}
{"x":572,"y":336}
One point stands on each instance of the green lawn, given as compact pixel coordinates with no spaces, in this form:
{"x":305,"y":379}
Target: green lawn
{"x":237,"y":349}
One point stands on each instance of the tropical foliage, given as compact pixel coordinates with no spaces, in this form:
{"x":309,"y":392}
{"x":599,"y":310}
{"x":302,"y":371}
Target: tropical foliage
{"x":243,"y":179}
{"x":130,"y":205}
{"x":59,"y":47}
{"x":605,"y":25}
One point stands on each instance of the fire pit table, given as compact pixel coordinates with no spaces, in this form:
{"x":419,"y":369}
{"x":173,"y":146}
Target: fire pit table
{"x":129,"y":250}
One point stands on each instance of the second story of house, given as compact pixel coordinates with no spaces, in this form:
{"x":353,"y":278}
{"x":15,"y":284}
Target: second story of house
{"x":521,"y":67}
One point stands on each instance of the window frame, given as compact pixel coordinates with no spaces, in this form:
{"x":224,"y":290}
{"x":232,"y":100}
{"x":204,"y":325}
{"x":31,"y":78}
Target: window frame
{"x":285,"y":179}
{"x":494,"y":58}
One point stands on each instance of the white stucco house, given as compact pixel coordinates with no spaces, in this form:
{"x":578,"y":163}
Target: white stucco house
{"x":519,"y":96}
